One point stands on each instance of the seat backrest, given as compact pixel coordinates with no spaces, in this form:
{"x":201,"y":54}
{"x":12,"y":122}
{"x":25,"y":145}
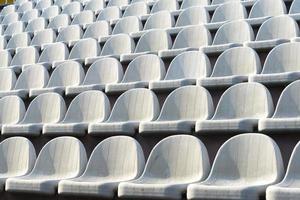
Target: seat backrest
{"x":72,"y":8}
{"x":104,"y":71}
{"x":254,"y":102}
{"x":154,"y":40}
{"x":137,"y":9}
{"x":128,"y":25}
{"x":54,"y":52}
{"x":110,"y":13}
{"x":240,"y":61}
{"x":17,"y":155}
{"x":229,"y":11}
{"x":62,"y":3}
{"x":162,"y":19}
{"x":192,"y":36}
{"x":283,"y":58}
{"x":36,"y":24}
{"x":33,"y":77}
{"x":179,"y":158}
{"x":14,"y":28}
{"x":217,"y":2}
{"x":45,"y":108}
{"x":30,"y":15}
{"x":135,"y":105}
{"x":24,"y":7}
{"x":279,"y":27}
{"x":295,"y":7}
{"x":191,"y":3}
{"x":69,"y":33}
{"x":69,"y":73}
{"x":249,"y":158}
{"x":84,"y":17}
{"x":10,"y":18}
{"x":43,"y":4}
{"x":118,"y":44}
{"x":45,"y":36}
{"x":97,"y":29}
{"x":190,"y":64}
{"x":61,"y":20}
{"x":61,"y":158}
{"x":51,"y":12}
{"x":263,"y":8}
{"x":118,"y":3}
{"x":5,"y":58}
{"x":7,"y":79}
{"x":234,"y":32}
{"x":147,"y":67}
{"x":87,"y":107}
{"x":169,"y":5}
{"x":25,"y":55}
{"x":85,"y":48}
{"x":95,"y":5}
{"x":193,"y":16}
{"x":7,"y":10}
{"x":117,"y":157}
{"x":3,"y":42}
{"x":18,"y":40}
{"x":187,"y":103}
{"x":12,"y":110}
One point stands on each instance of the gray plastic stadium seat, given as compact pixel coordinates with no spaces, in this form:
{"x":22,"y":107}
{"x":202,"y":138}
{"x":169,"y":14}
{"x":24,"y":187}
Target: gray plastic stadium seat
{"x":84,"y":17}
{"x":68,"y":73}
{"x":3,"y":42}
{"x":37,"y":24}
{"x":244,"y":167}
{"x":231,"y":34}
{"x":275,"y":31}
{"x":24,"y":56}
{"x":5,"y":59}
{"x":124,"y":159}
{"x":128,"y":25}
{"x":69,"y":33}
{"x":239,"y":110}
{"x":7,"y":79}
{"x":87,"y":107}
{"x":59,"y":21}
{"x":46,"y":36}
{"x":14,"y":28}
{"x":189,"y":38}
{"x":18,"y":40}
{"x":184,"y":69}
{"x":97,"y":30}
{"x":53,"y":52}
{"x":100,"y":73}
{"x":33,"y":77}
{"x":173,"y":163}
{"x":61,"y":158}
{"x":232,"y":66}
{"x":10,"y":18}
{"x":192,"y":3}
{"x":168,"y":5}
{"x":109,"y":13}
{"x":182,"y":108}
{"x":139,"y":72}
{"x":7,"y":10}
{"x":226,"y":12}
{"x":95,"y":5}
{"x":12,"y":112}
{"x":286,"y":117}
{"x":30,"y":15}
{"x":62,"y":3}
{"x":150,"y":43}
{"x":263,"y":9}
{"x":43,"y":4}
{"x":24,"y":7}
{"x":72,"y":8}
{"x":119,"y":3}
{"x":136,"y":9}
{"x":17,"y":157}
{"x":281,"y":65}
{"x":131,"y":108}
{"x":45,"y":108}
{"x":294,"y":11}
{"x":51,"y":12}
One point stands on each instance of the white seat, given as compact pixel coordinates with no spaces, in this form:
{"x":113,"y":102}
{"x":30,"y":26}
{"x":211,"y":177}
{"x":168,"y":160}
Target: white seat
{"x":51,"y":12}
{"x":189,"y":38}
{"x":68,"y":73}
{"x":37,"y":24}
{"x":124,"y":159}
{"x":139,"y":72}
{"x":173,"y":163}
{"x":3,"y":42}
{"x":43,"y":4}
{"x":150,"y":43}
{"x":168,"y":5}
{"x":220,"y":2}
{"x":17,"y":157}
{"x":7,"y":10}
{"x":33,"y":77}
{"x":182,"y":108}
{"x":239,"y":110}
{"x":69,"y":33}
{"x":61,"y":158}
{"x":119,"y":3}
{"x":128,"y":25}
{"x":95,"y":5}
{"x":241,"y":170}
{"x":85,"y":48}
{"x":192,"y":3}
{"x":281,"y":66}
{"x":88,"y":107}
{"x":26,"y":6}
{"x":72,"y":8}
{"x":14,"y":28}
{"x":137,"y":9}
{"x":45,"y":108}
{"x":100,"y":73}
{"x":131,"y":108}
{"x":231,"y":34}
{"x":264,"y":9}
{"x":46,"y":36}
{"x":8,"y":79}
{"x":53,"y":53}
{"x":232,"y":66}
{"x":295,"y":9}
{"x":275,"y":31}
{"x":10,"y":18}
{"x":286,"y":116}
{"x":184,"y":69}
{"x":24,"y":56}
{"x":59,"y":21}
{"x":5,"y":58}
{"x":84,"y":17}
{"x":62,"y":3}
{"x":18,"y":40}
{"x":97,"y":30}
{"x":110,"y":13}
{"x":30,"y":15}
